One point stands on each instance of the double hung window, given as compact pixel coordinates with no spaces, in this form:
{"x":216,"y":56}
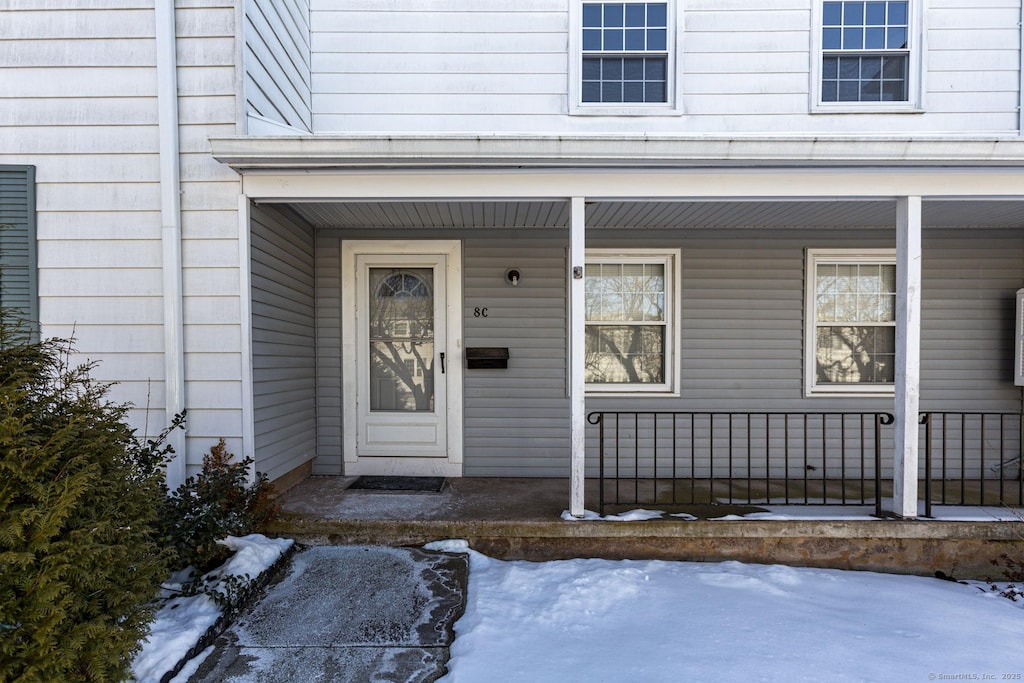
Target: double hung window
{"x":631,"y":335}
{"x":625,"y":52}
{"x":866,"y":53}
{"x":851,"y":306}
{"x":623,"y":60}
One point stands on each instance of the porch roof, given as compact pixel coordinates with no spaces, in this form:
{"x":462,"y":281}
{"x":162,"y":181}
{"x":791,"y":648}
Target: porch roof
{"x":632,"y":181}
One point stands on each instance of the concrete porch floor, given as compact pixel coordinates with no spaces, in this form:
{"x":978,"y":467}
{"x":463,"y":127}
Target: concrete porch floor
{"x":521,"y":518}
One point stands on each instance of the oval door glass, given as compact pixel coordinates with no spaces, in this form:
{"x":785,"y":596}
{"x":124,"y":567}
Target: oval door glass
{"x":401,"y":321}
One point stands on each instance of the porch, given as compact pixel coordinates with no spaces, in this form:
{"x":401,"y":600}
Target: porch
{"x":522,"y":518}
{"x":741,"y":242}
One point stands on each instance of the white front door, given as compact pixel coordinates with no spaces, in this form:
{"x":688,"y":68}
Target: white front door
{"x":402,"y":350}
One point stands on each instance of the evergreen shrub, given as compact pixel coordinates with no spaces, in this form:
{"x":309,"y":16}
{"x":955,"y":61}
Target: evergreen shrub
{"x":218,"y":502}
{"x":80,"y":496}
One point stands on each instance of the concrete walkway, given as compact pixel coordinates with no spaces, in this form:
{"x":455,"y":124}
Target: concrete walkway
{"x":347,"y":613}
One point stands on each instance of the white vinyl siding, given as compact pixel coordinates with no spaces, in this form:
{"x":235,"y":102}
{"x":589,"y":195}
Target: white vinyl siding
{"x":483,"y":66}
{"x":79,"y":103}
{"x":277,"y":66}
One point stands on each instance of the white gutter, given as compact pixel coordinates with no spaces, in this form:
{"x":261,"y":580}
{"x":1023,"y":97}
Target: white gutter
{"x":612,"y":151}
{"x":170,"y":220}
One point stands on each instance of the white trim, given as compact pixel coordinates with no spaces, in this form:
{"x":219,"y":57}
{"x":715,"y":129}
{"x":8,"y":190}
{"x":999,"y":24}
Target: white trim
{"x":673,"y":70}
{"x":916,"y":11}
{"x":851,"y":256}
{"x":634,"y":152}
{"x":245,"y":314}
{"x":906,"y":432}
{"x":703,"y":184}
{"x":450,"y":466}
{"x":262,"y":126}
{"x":671,"y":259}
{"x":577,"y":355}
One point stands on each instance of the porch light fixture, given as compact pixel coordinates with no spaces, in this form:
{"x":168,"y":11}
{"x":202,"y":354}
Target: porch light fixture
{"x":512,"y":276}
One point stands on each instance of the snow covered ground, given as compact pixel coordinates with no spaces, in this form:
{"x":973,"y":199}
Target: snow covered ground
{"x":650,"y":621}
{"x":622,"y":621}
{"x":181,"y":622}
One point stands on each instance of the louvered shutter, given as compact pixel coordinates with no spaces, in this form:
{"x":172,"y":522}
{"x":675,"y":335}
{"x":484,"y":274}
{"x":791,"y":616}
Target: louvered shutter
{"x":18,"y":288}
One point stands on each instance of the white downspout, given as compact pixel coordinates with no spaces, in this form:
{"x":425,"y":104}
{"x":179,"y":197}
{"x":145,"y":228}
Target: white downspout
{"x":170,"y":220}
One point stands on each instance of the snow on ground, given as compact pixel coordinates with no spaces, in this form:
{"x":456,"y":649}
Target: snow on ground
{"x":182,"y":621}
{"x":619,"y":621}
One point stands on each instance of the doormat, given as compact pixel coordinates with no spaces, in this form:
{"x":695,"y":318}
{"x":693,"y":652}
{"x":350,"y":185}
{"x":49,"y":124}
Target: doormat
{"x":398,"y":484}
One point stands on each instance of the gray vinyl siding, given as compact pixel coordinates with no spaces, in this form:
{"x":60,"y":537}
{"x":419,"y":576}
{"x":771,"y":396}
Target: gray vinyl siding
{"x":742,"y":321}
{"x":741,"y":313}
{"x":516,"y":420}
{"x":18,"y":281}
{"x":283,"y":341}
{"x":329,"y":404}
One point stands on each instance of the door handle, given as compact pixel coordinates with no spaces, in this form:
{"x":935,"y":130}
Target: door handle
{"x":442,"y":362}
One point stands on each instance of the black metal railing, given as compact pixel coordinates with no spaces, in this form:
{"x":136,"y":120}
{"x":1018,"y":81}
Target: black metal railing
{"x":829,"y":458}
{"x":683,"y":458}
{"x":971,"y":459}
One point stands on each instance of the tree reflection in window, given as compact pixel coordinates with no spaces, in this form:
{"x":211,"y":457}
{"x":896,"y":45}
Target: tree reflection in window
{"x":855,"y":319}
{"x":625,"y":310}
{"x":401,"y":339}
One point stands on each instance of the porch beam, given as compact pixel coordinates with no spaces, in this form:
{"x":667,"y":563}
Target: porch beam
{"x":908,"y":355}
{"x":577,"y":352}
{"x":639,"y":184}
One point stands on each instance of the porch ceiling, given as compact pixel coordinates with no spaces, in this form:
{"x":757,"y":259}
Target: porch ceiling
{"x":655,"y":214}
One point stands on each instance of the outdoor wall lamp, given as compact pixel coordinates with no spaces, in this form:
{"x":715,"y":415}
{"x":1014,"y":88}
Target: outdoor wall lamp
{"x":512,"y":276}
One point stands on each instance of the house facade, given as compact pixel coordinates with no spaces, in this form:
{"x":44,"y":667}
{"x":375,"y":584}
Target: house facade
{"x":428,"y":238}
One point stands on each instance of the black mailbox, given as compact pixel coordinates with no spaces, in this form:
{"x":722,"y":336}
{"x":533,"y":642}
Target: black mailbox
{"x":487,"y":358}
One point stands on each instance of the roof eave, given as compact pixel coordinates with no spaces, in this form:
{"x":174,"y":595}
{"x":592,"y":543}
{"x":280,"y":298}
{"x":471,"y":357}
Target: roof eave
{"x":610,"y":151}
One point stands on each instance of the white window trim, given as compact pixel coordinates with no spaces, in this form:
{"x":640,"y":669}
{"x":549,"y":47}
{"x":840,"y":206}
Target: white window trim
{"x":916,"y":10}
{"x":671,"y":259}
{"x":673,"y":71}
{"x":852,"y":256}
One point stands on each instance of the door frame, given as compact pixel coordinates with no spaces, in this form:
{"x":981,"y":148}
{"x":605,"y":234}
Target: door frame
{"x":450,"y":466}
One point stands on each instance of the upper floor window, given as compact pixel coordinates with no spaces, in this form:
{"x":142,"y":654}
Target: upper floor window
{"x":622,"y":56}
{"x":866,"y":54}
{"x":625,"y":52}
{"x":851,"y":326}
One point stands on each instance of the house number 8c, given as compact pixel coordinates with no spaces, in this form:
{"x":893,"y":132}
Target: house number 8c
{"x":479,"y":312}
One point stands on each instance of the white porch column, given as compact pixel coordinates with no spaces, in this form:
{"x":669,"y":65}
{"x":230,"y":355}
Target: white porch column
{"x":908,"y":354}
{"x":577,"y":351}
